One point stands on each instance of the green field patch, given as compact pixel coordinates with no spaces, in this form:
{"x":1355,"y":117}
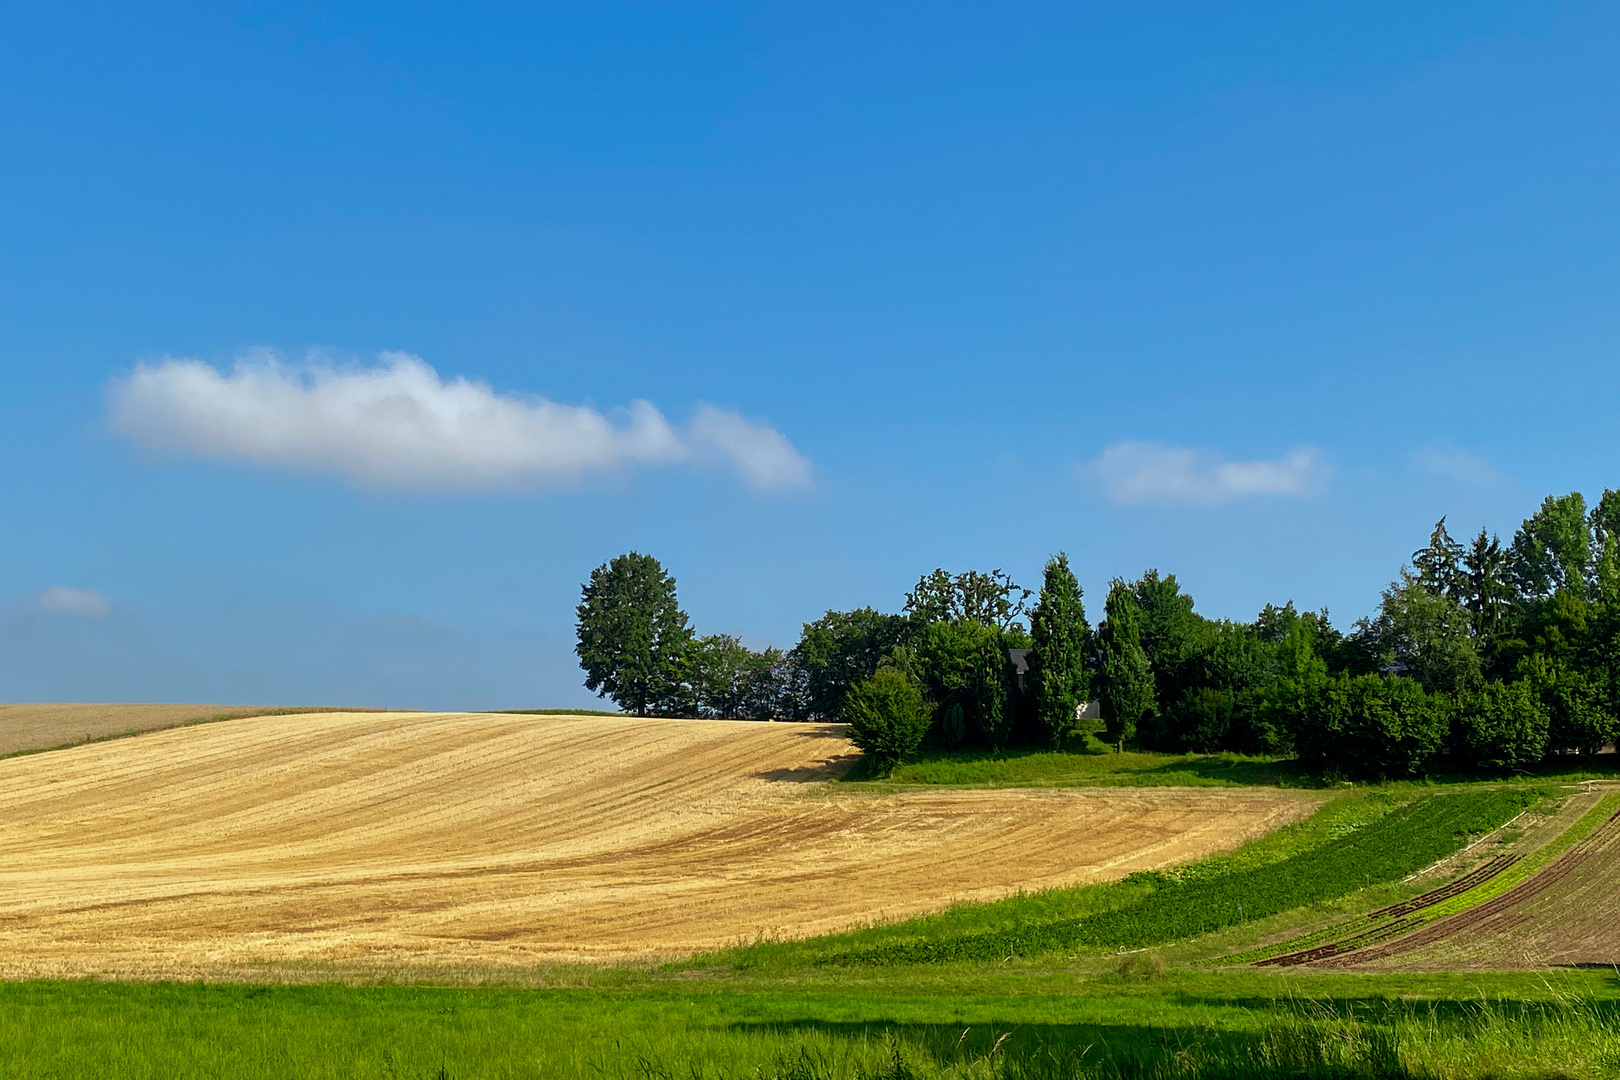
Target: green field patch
{"x":1176,"y":907}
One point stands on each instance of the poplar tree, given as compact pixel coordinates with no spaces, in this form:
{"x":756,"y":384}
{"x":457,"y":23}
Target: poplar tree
{"x":1057,"y":657}
{"x":1126,"y":680}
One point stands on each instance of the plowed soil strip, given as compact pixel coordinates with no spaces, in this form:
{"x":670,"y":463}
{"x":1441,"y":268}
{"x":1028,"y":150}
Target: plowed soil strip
{"x":1563,"y":901}
{"x":445,"y":839}
{"x":1429,"y":899}
{"x":1399,"y":916}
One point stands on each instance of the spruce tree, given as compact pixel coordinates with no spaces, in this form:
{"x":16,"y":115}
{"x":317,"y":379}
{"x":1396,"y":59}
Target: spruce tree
{"x":1126,"y":680}
{"x":1057,"y":659}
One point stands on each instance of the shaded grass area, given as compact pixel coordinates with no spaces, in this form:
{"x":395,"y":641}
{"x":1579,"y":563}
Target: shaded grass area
{"x":1093,"y":765}
{"x":1179,"y":1025}
{"x":1096,"y":765}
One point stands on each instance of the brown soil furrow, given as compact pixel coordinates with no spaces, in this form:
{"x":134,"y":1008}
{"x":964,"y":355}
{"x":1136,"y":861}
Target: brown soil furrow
{"x":1446,"y":892}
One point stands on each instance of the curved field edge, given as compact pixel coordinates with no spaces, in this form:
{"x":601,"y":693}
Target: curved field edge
{"x":1389,"y":925}
{"x":926,"y":938}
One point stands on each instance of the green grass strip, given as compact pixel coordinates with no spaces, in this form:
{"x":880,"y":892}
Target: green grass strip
{"x":1515,"y":875}
{"x":1403,"y":841}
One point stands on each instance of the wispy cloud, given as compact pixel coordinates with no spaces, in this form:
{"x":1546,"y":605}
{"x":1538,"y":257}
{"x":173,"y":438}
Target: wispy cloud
{"x":1132,"y":473}
{"x":61,"y":600}
{"x":399,"y":425}
{"x":1456,"y":465}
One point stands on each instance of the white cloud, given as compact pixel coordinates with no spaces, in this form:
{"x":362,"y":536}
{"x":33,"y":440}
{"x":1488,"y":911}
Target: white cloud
{"x":1143,"y":472}
{"x":399,"y":425}
{"x":1458,"y":466}
{"x":761,"y":454}
{"x":61,"y":600}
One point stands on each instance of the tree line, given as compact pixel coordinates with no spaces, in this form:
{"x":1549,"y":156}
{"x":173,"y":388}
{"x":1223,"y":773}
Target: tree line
{"x":1483,"y":655}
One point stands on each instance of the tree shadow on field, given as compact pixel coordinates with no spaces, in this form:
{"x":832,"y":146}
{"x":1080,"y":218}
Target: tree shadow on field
{"x":1380,"y":1009}
{"x":1065,"y":1045}
{"x":832,"y":768}
{"x":1114,"y":1051}
{"x":1342,"y":1038}
{"x":1239,"y":771}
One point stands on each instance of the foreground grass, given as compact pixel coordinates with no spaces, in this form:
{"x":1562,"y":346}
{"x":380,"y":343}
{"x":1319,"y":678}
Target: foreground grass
{"x":989,"y":1025}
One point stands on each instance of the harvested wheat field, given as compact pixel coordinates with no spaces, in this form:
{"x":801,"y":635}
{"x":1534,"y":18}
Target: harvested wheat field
{"x":494,"y":841}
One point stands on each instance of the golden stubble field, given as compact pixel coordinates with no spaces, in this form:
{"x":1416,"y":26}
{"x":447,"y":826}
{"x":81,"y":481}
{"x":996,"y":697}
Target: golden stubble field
{"x":493,"y":841}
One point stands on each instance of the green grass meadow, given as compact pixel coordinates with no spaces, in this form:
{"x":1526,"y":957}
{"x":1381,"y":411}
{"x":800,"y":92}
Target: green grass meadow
{"x":972,"y":1023}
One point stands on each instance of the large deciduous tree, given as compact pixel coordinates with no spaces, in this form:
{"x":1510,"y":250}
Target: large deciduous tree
{"x":993,"y":599}
{"x":634,"y":640}
{"x":719,"y":675}
{"x":839,"y":650}
{"x":1552,"y":551}
{"x":1606,"y":539}
{"x":1060,"y":642}
{"x":1429,"y":635}
{"x":964,"y":665}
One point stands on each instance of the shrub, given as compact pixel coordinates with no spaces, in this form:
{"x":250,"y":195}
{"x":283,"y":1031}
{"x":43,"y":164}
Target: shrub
{"x":1501,"y":726}
{"x":887,"y":717}
{"x":1141,"y":965}
{"x":1372,"y":725}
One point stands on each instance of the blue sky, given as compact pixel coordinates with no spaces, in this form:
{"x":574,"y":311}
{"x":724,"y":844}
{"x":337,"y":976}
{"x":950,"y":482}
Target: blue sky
{"x":1250,"y":293}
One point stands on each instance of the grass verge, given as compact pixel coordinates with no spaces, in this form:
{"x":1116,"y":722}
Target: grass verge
{"x":1180,"y":1025}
